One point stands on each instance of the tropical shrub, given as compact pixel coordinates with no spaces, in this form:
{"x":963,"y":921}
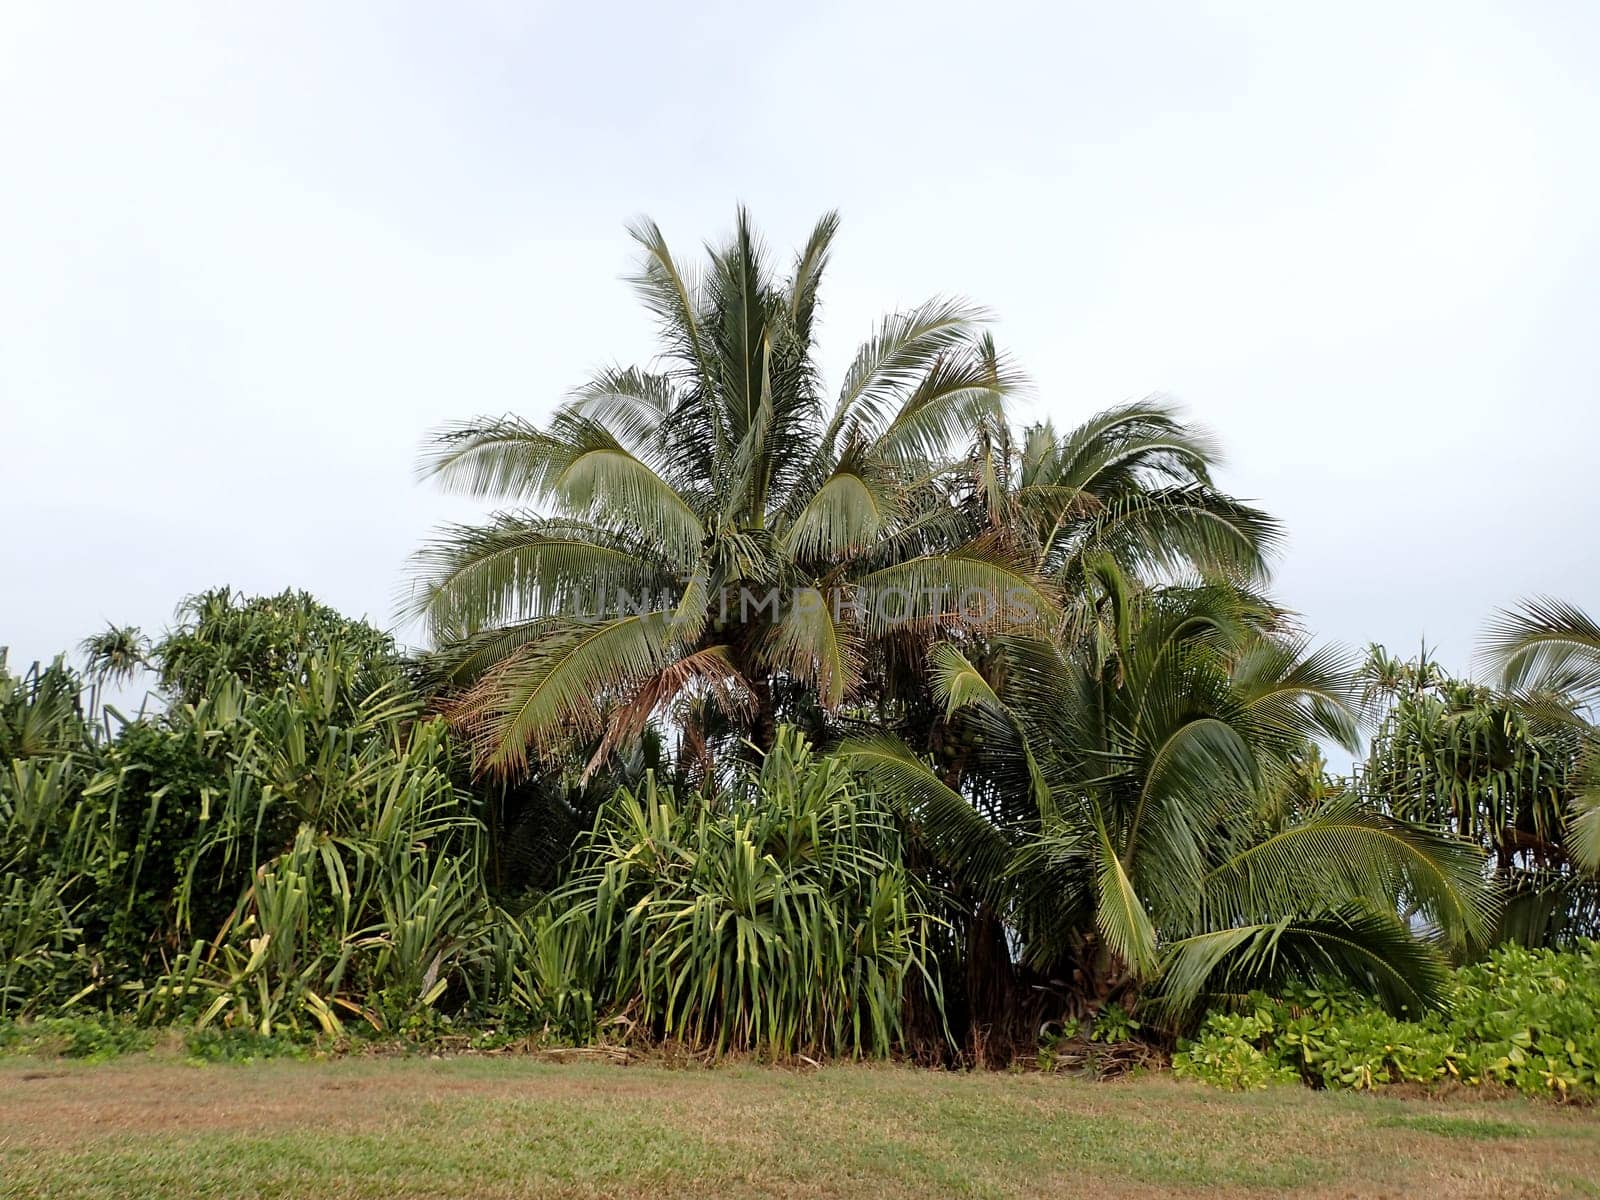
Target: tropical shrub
{"x":1549,"y":655}
{"x":778,"y":919}
{"x":354,"y":863}
{"x":1522,"y":1019}
{"x":213,"y":1043}
{"x":53,"y":854}
{"x":262,"y":641}
{"x":41,"y":714}
{"x":280,"y":849}
{"x":95,"y":1038}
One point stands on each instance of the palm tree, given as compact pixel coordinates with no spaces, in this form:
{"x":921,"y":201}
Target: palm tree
{"x":711,"y":537}
{"x":1120,"y":815}
{"x":1548,"y":652}
{"x":1131,"y":489}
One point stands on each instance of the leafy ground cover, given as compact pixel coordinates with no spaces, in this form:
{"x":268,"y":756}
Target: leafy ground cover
{"x":1521,"y":1019}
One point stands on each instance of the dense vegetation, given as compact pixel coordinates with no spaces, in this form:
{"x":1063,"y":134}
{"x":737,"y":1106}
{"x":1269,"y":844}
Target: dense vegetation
{"x":764,"y":721}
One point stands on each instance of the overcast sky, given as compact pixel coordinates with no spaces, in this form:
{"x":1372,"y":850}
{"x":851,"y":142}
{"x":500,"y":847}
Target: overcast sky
{"x":249,"y":257}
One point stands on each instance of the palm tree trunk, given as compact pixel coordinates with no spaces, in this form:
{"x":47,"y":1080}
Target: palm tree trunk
{"x":991,"y":998}
{"x":764,"y":729}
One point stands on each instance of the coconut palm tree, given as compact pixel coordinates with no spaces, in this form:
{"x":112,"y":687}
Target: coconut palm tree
{"x":713,"y":536}
{"x":1120,"y":815}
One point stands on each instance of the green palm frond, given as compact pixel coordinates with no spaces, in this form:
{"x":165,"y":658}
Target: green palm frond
{"x":841,"y":518}
{"x":517,"y":569}
{"x":973,"y":585}
{"x":501,"y":457}
{"x":1134,"y":483}
{"x":901,"y":351}
{"x":1348,"y":851}
{"x":1370,"y":948}
{"x":1148,"y":436}
{"x":632,"y":404}
{"x":608,"y":485}
{"x":1120,"y":914}
{"x":971,"y":848}
{"x":813,"y":642}
{"x":809,"y":266}
{"x":675,"y":298}
{"x":555,"y":689}
{"x":1294,"y":692}
{"x":956,"y":683}
{"x":959,"y":687}
{"x":958,"y":398}
{"x":1583,"y":826}
{"x":1547,"y":645}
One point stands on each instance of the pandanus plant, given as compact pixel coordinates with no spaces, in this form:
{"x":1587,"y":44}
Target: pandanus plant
{"x":1549,"y":654}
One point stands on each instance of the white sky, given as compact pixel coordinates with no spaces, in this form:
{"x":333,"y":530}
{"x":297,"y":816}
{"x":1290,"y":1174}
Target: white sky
{"x":248,"y":258}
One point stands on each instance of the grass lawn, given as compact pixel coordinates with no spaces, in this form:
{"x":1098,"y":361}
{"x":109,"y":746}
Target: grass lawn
{"x":518,"y":1127}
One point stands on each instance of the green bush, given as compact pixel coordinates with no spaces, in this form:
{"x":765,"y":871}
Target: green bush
{"x":1227,"y":1060}
{"x":780,"y":920}
{"x":1523,"y":1019}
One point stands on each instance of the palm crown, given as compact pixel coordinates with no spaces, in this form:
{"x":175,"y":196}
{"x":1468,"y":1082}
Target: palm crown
{"x":712,"y":528}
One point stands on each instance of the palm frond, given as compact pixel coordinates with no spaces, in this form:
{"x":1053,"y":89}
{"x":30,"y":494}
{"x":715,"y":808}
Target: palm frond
{"x":519,"y":568}
{"x":967,"y":845}
{"x":556,"y":689}
{"x":813,"y":642}
{"x":1546,"y":645}
{"x":903,"y":348}
{"x":1372,"y":949}
{"x":1120,"y":915}
{"x":1350,"y":852}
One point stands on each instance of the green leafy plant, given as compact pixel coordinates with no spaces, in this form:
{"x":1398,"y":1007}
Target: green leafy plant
{"x":1113,"y":1023}
{"x":212,"y":1044}
{"x":95,"y":1038}
{"x":1521,"y":1019}
{"x":281,"y":849}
